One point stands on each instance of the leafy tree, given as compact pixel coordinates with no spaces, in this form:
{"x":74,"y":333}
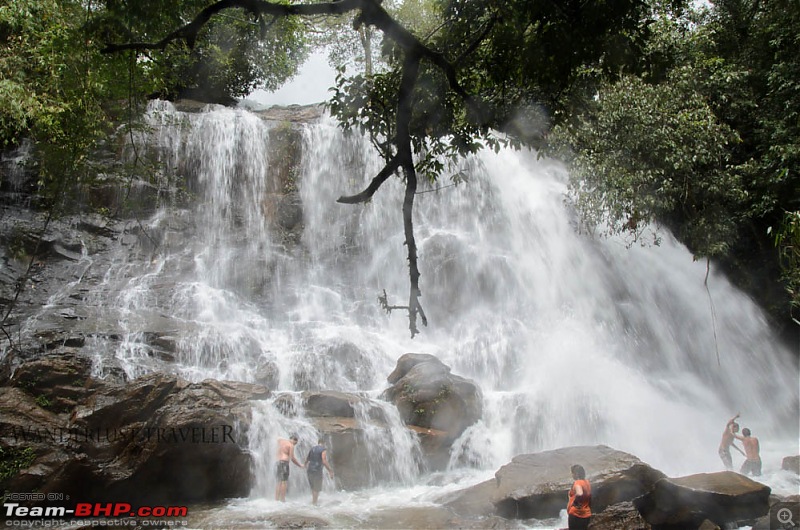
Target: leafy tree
{"x":493,"y":65}
{"x":232,"y":55}
{"x":702,"y":136}
{"x":54,"y":86}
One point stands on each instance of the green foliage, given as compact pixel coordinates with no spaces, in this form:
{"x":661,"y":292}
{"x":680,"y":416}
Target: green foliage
{"x":655,"y":153}
{"x":703,"y":136}
{"x":234,"y":53}
{"x":15,"y":459}
{"x":518,"y":58}
{"x":54,"y":85}
{"x":43,"y":401}
{"x":787,"y":239}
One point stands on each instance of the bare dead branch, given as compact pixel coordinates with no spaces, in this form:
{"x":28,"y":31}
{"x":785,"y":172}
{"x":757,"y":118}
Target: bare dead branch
{"x":405,"y":156}
{"x":384,"y":302}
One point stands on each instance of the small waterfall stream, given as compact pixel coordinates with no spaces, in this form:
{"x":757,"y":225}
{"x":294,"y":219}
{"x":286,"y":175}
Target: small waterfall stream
{"x":573,"y":340}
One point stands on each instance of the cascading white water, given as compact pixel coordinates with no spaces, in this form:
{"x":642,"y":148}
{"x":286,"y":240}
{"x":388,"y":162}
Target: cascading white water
{"x":572,"y":339}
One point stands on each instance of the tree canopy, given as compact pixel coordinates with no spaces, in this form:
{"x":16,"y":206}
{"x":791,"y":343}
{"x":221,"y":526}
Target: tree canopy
{"x":704,"y":139}
{"x":669,"y":114}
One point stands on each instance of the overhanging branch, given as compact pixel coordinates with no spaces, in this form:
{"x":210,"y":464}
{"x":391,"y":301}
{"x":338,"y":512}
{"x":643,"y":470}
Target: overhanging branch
{"x":370,"y":13}
{"x":376,"y":183}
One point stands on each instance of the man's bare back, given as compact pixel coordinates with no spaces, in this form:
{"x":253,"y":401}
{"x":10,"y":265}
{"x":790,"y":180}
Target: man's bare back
{"x":751,"y":448}
{"x":285,"y":450}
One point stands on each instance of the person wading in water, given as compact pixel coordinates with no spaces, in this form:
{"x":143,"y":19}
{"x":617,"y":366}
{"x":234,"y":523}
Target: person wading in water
{"x":731,"y":428}
{"x":285,"y":455}
{"x":317,"y":459}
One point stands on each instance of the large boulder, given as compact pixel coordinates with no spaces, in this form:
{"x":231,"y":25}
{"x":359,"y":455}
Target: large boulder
{"x":360,"y":434}
{"x":536,"y":485}
{"x":172,"y":439}
{"x":685,"y":502}
{"x":156,"y":439}
{"x":791,"y":463}
{"x":330,"y":403}
{"x":617,"y":516}
{"x":429,"y":396}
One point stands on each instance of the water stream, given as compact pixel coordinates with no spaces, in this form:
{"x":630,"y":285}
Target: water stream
{"x":572,"y":339}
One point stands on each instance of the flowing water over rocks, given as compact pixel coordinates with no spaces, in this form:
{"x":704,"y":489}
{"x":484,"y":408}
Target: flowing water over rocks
{"x":247,"y":270}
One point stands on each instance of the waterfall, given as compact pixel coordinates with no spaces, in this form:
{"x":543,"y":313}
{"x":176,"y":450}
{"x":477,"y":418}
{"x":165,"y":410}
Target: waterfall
{"x":572,"y":339}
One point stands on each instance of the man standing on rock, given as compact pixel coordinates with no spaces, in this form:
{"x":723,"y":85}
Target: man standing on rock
{"x":727,"y":442}
{"x":285,"y":455}
{"x":752,"y":464}
{"x":317,"y":459}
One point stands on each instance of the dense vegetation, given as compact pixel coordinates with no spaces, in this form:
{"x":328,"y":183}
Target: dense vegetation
{"x":687,"y":117}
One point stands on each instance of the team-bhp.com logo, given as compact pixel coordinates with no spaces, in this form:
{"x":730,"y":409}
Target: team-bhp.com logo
{"x":119,"y":512}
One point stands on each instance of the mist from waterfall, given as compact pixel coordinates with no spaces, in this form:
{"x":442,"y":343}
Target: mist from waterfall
{"x":572,"y":339}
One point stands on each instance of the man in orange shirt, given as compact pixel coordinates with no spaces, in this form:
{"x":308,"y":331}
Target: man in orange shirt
{"x":579,"y":510}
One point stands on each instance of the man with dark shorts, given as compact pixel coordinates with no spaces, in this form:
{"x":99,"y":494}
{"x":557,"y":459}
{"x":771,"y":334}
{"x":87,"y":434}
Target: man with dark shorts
{"x":285,"y":455}
{"x":731,"y":428}
{"x":317,"y":459}
{"x":751,"y":466}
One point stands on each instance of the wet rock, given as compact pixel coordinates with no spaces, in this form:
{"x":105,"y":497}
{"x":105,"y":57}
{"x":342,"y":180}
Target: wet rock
{"x":791,"y":463}
{"x":330,"y":404}
{"x":338,"y":364}
{"x":474,"y":501}
{"x":617,"y":516}
{"x":291,"y":113}
{"x":409,"y":361}
{"x":55,"y":381}
{"x":157,"y":439}
{"x":434,"y":517}
{"x":363,"y":454}
{"x":685,"y":502}
{"x":536,"y":485}
{"x":267,"y":374}
{"x":348,"y":458}
{"x":34,"y":442}
{"x":296,"y":521}
{"x":429,"y":396}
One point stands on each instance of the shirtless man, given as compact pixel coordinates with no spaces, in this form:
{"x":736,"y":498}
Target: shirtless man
{"x":727,"y":442}
{"x":751,"y":466}
{"x":285,"y":455}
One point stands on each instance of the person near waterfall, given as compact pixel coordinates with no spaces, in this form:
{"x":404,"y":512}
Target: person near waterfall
{"x":579,"y":506}
{"x":317,"y":459}
{"x":752,"y":464}
{"x":285,"y":455}
{"x":728,"y":436}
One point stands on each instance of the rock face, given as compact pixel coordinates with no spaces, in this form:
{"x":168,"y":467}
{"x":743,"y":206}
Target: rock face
{"x":721,"y":498}
{"x":536,"y":485}
{"x":429,"y":396}
{"x":156,"y":439}
{"x":619,"y":516}
{"x":791,"y":463}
